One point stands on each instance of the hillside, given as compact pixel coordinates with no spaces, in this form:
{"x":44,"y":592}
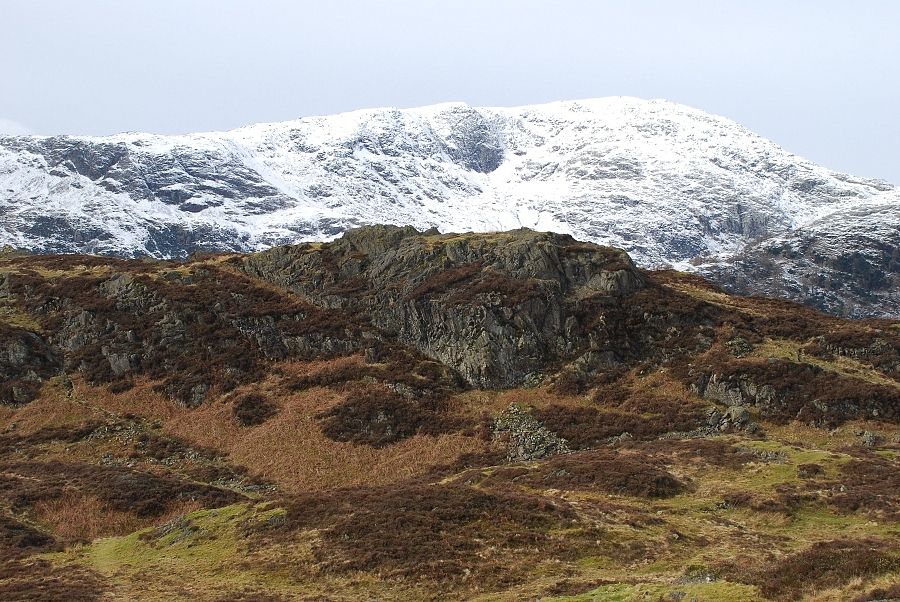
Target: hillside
{"x":671,"y":185}
{"x":405,"y":415}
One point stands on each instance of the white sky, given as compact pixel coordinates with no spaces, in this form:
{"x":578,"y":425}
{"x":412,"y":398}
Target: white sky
{"x":820,"y":77}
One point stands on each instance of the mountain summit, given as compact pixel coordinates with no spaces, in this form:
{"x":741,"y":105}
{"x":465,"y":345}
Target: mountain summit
{"x":671,"y":185}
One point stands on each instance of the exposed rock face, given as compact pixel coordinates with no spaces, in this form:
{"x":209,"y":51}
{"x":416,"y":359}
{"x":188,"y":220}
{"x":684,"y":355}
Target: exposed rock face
{"x":493,"y":307}
{"x":805,"y":395}
{"x":734,"y":392}
{"x":528,"y":439}
{"x":25,"y":360}
{"x":846,"y":264}
{"x":188,"y":329}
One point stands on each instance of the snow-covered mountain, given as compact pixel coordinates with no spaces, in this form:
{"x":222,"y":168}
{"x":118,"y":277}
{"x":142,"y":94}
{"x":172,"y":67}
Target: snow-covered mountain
{"x":670,"y":184}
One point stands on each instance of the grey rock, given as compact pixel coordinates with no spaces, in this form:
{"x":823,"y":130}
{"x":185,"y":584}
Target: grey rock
{"x":870,"y":439}
{"x":739,"y":347}
{"x":27,"y":359}
{"x":528,"y":438}
{"x":532,"y":380}
{"x":496,"y":308}
{"x":737,"y":415}
{"x":727,"y":392}
{"x":621,"y":438}
{"x":713,"y":418}
{"x":767,"y":456}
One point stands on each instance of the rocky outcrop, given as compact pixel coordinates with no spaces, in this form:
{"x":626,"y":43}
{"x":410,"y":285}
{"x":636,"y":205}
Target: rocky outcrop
{"x":188,"y":329}
{"x":494,"y":307}
{"x":791,"y":391}
{"x":26,"y":360}
{"x":526,"y":438}
{"x":735,"y":391}
{"x":732,"y":419}
{"x":846,"y":264}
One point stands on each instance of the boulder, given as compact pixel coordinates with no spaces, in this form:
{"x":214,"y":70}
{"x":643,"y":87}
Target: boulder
{"x":528,"y":438}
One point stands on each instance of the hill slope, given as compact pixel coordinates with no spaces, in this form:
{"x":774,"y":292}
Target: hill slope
{"x":408,"y":415}
{"x":669,"y":184}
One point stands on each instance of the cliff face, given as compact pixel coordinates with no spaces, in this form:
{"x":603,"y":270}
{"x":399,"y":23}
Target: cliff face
{"x":496,"y":308}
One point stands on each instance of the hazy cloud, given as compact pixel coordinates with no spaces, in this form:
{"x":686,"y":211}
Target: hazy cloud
{"x":8,"y":127}
{"x":821,"y":78}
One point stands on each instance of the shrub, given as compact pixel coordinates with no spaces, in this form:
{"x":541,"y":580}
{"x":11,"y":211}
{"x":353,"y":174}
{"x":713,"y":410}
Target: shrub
{"x":145,"y":495}
{"x":870,"y":484}
{"x":192,"y":330}
{"x":642,"y":417}
{"x":708,"y":451}
{"x":444,"y":280}
{"x":825,"y":564}
{"x":253,"y":409}
{"x":378,"y":416}
{"x":42,"y":581}
{"x":512,"y":291}
{"x":18,"y":539}
{"x":570,"y":382}
{"x":809,"y":471}
{"x":448,"y":531}
{"x":120,"y":386}
{"x":396,"y":365}
{"x":600,"y":470}
{"x":737,"y":499}
{"x":804,"y":391}
{"x":572,"y":587}
{"x":891,"y":592}
{"x":27,"y":443}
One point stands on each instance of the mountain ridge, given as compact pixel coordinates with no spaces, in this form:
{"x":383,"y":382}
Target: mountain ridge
{"x":671,"y":185}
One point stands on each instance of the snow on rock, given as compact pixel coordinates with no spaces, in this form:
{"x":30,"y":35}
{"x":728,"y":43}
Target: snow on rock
{"x":673,"y":186}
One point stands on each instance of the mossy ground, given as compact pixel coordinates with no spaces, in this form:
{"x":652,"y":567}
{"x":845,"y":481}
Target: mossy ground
{"x":792,"y":351}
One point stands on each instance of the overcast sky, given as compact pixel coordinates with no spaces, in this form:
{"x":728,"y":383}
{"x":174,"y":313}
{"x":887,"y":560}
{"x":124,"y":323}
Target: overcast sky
{"x":820,"y":77}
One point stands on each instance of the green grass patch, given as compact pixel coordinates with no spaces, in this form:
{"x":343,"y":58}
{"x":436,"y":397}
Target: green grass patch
{"x":14,"y":317}
{"x":717,"y":591}
{"x":202,"y":549}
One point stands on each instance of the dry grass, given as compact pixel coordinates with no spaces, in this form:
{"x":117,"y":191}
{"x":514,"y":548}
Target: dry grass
{"x":140,"y":400}
{"x":316,"y":367}
{"x":645,"y":543}
{"x":76,"y":516}
{"x":837,"y":439}
{"x":290,"y":449}
{"x":52,"y":408}
{"x":473,"y":403}
{"x":642,"y":514}
{"x":14,"y":317}
{"x":715,"y":297}
{"x":48,"y":266}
